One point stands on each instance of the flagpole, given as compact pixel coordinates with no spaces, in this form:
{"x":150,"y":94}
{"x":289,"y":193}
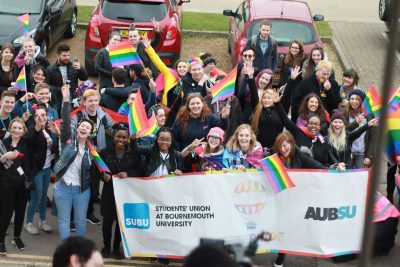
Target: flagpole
{"x":26,"y":92}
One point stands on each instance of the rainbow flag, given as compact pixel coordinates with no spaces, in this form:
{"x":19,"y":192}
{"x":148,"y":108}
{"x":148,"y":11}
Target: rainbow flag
{"x":20,"y":83}
{"x":25,"y":20}
{"x":123,"y":54}
{"x":224,"y":88}
{"x":101,"y":165}
{"x":137,"y":116}
{"x":372,"y":103}
{"x":276,"y":173}
{"x":392,"y":149}
{"x":394,"y":102}
{"x":153,"y":127}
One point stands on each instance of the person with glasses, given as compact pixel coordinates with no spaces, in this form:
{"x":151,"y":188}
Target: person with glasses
{"x":102,"y":64}
{"x":247,"y":60}
{"x":294,"y":57}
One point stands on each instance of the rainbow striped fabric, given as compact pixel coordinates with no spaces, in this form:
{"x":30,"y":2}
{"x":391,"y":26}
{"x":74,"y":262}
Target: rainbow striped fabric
{"x":276,"y":173}
{"x":20,"y":83}
{"x":137,"y":118}
{"x":394,"y":102}
{"x":392,"y":149}
{"x":123,"y":54}
{"x":372,"y":103}
{"x":25,"y":20}
{"x":101,"y":165}
{"x":225,"y":87}
{"x":153,"y":129}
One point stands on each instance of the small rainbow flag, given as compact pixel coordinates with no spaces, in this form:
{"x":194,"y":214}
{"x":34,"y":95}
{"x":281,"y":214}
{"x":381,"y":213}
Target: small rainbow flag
{"x":225,"y":87}
{"x":394,"y":102}
{"x":392,"y":149}
{"x":101,"y":165}
{"x":123,"y":54}
{"x":372,"y":103}
{"x":137,"y":116}
{"x":153,"y":127}
{"x":276,"y":173}
{"x":20,"y":83}
{"x":25,"y":20}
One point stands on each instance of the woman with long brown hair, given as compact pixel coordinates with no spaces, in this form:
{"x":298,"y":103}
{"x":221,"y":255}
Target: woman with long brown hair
{"x":294,"y":57}
{"x":312,"y":105}
{"x":8,"y":70}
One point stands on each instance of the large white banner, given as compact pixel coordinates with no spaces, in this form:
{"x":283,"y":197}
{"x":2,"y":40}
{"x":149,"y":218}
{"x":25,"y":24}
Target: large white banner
{"x":322,"y":215}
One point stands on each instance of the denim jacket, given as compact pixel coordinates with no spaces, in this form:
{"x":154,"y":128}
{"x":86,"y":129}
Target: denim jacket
{"x":69,"y":150}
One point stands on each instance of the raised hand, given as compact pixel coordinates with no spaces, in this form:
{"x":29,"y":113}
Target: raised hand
{"x":295,"y":72}
{"x":156,"y":25}
{"x":65,"y":92}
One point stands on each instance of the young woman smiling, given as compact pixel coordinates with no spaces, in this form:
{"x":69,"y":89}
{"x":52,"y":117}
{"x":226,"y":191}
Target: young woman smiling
{"x":312,"y":105}
{"x":211,"y":152}
{"x":9,"y":70}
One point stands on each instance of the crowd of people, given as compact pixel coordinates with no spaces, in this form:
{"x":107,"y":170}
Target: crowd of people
{"x":324,"y":122}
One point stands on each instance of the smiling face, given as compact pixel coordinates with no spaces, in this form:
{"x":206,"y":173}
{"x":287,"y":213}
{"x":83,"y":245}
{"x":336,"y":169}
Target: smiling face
{"x":121,"y":138}
{"x":134,"y":37}
{"x":164,"y":141}
{"x":43,"y":96}
{"x":316,"y":56}
{"x":29,"y":48}
{"x":264,"y":80}
{"x":17,"y":129}
{"x":355,"y":102}
{"x":337,"y":126}
{"x":314,"y":125}
{"x":323,"y":74}
{"x":91,"y":103}
{"x":348,"y":82}
{"x":248,"y":56}
{"x":244,"y":138}
{"x":84,"y":130}
{"x":214,"y":141}
{"x":115,"y":39}
{"x":39,"y":76}
{"x":182,"y":68}
{"x":6,"y":54}
{"x":7,"y":104}
{"x":160,"y":117}
{"x":294,"y":49}
{"x":197,"y":71}
{"x":312,"y":104}
{"x":265,"y":30}
{"x":195,"y":106}
{"x":266,"y":99}
{"x":41,"y":117}
{"x":285,"y":149}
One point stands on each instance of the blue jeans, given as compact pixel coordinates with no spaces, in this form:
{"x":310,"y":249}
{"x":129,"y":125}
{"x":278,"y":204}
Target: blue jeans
{"x":66,"y":197}
{"x":39,"y":195}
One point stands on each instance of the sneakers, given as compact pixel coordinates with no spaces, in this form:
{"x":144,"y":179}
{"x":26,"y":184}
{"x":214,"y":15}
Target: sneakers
{"x":32,"y":229}
{"x":45,"y":226}
{"x":93,"y":220}
{"x":117,"y":255}
{"x":17,"y":242}
{"x":278,"y":265}
{"x":72,"y":227}
{"x":3,"y":250}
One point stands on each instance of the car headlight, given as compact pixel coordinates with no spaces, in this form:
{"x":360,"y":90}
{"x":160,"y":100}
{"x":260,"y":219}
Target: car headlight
{"x":21,"y":38}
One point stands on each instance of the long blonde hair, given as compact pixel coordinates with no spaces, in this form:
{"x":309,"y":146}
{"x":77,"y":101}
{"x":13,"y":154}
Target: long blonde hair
{"x":233,"y":143}
{"x":255,"y":118}
{"x":338,"y":142}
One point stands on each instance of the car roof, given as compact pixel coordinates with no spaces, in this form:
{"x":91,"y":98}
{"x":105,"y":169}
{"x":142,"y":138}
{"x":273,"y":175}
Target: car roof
{"x":276,"y":9}
{"x":154,"y":1}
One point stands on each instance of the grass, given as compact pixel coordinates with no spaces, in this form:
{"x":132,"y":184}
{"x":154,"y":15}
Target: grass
{"x":203,"y":21}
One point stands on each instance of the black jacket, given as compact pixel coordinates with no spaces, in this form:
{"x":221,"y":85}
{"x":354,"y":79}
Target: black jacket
{"x":303,"y":161}
{"x":103,"y":67}
{"x":268,"y":60}
{"x":191,"y":86}
{"x":39,"y":151}
{"x":145,"y":58}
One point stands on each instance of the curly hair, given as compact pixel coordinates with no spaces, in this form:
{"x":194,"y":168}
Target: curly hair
{"x":184,"y":112}
{"x":233,"y":142}
{"x":304,"y":112}
{"x":292,"y":60}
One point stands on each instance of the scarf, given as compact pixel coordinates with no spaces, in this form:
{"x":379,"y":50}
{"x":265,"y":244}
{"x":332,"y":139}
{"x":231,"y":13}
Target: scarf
{"x":314,"y":138}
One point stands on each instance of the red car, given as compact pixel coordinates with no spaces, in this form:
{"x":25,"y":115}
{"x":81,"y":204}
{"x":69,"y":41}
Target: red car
{"x":290,"y":20}
{"x":118,"y":15}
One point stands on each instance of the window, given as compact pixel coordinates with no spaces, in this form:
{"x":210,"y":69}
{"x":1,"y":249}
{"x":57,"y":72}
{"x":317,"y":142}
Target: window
{"x":21,"y":7}
{"x":136,"y":11}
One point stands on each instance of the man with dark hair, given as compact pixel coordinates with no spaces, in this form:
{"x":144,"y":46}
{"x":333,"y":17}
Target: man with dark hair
{"x":210,"y":256}
{"x":113,"y":97}
{"x":77,"y":252}
{"x":64,"y":71}
{"x":265,"y":47}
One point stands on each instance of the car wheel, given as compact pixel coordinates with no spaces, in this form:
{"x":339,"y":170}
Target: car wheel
{"x":384,"y":10}
{"x":43,"y":47}
{"x":70,"y":32}
{"x":90,"y":69}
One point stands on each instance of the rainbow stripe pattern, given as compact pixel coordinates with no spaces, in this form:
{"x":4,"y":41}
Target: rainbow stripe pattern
{"x":394,"y":102}
{"x":25,"y":20}
{"x":153,"y":129}
{"x":276,"y":173}
{"x":101,"y":165}
{"x":137,"y":116}
{"x":20,"y":83}
{"x":224,"y":88}
{"x":372,"y":103}
{"x":392,"y":149}
{"x":123,"y":54}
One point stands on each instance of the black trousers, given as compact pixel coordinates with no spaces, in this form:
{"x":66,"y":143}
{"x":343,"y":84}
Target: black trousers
{"x":390,"y":181}
{"x":12,"y":199}
{"x":107,"y":233}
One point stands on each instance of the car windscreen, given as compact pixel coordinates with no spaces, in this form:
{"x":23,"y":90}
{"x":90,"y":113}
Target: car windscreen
{"x":134,"y":11}
{"x":284,"y":31}
{"x":21,"y":7}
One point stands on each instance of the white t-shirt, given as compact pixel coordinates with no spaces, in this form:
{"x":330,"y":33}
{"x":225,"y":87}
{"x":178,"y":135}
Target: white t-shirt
{"x":73,"y":174}
{"x":162,"y":169}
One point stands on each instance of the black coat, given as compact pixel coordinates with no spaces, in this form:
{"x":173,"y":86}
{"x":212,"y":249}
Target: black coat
{"x":39,"y":151}
{"x":191,"y":86}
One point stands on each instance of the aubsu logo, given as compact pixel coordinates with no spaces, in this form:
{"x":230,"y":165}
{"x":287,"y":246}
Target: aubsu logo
{"x":330,"y":214}
{"x":137,"y":215}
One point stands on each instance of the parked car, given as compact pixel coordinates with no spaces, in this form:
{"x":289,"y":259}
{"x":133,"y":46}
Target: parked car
{"x":49,"y":20}
{"x":385,"y":11}
{"x":290,"y":20}
{"x":118,"y":15}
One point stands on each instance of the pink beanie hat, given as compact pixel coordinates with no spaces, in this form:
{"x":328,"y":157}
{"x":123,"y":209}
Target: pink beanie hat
{"x":217,"y":131}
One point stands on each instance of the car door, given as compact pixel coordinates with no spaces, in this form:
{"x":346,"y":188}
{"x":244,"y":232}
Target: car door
{"x":54,"y":17}
{"x":235,"y":32}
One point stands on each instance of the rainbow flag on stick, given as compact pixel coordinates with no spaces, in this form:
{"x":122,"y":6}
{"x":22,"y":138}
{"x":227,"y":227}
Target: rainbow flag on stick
{"x":101,"y":165}
{"x":153,"y":127}
{"x":394,"y":102}
{"x":123,"y":54}
{"x":392,"y":149}
{"x":276,"y":173}
{"x":25,"y":20}
{"x":372,"y":103}
{"x":20,"y":83}
{"x":224,"y":88}
{"x":137,"y":116}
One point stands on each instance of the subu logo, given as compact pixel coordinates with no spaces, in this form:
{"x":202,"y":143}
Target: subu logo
{"x":137,"y":215}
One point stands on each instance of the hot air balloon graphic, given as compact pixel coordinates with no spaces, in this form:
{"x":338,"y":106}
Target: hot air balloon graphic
{"x":250,"y":199}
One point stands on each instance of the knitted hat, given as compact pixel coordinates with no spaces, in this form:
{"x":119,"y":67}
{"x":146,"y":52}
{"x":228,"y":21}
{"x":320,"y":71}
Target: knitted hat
{"x":358,"y":92}
{"x":208,"y":61}
{"x":216,"y":131}
{"x":338,"y":116}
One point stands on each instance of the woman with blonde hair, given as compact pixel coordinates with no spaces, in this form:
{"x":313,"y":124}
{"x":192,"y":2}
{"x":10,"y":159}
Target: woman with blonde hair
{"x":243,"y":150}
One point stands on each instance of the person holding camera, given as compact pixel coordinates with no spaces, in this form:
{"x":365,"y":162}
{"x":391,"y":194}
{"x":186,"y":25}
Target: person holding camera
{"x":17,"y":170}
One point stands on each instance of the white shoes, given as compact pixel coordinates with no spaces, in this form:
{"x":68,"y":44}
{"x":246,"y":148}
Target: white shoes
{"x":45,"y":226}
{"x":32,"y":229}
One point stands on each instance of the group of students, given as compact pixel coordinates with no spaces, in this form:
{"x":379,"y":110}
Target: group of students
{"x":326,"y":129}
